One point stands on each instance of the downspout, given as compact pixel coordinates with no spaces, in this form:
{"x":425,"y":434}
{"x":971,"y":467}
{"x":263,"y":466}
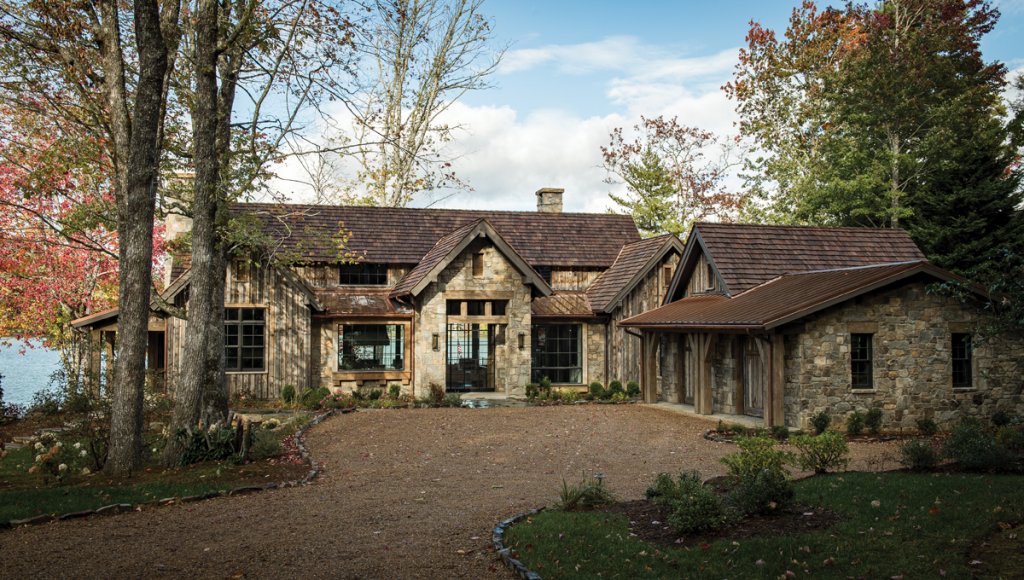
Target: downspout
{"x":607,"y":348}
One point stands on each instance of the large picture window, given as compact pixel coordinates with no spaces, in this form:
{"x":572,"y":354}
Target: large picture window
{"x":961,"y":361}
{"x":363,"y":274}
{"x":861,"y":364}
{"x":244,"y":339}
{"x":557,"y":353}
{"x":371,"y":347}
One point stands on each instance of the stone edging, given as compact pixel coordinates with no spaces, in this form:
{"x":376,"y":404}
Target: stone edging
{"x":314,"y":471}
{"x":498,"y":538}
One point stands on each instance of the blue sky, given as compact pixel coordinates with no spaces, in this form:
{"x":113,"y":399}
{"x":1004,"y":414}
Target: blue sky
{"x":575,"y":70}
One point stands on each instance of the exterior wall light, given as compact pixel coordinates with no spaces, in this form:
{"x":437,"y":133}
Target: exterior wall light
{"x":436,"y":341}
{"x":522,"y":340}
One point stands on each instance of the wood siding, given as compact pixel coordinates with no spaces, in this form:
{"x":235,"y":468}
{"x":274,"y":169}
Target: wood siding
{"x":329,"y":276}
{"x":576,"y":279}
{"x":699,"y":281}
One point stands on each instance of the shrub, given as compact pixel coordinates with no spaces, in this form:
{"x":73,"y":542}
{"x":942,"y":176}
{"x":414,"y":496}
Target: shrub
{"x":394,"y":391}
{"x":56,"y":462}
{"x":532,"y":390}
{"x":1001,"y":418}
{"x":78,"y":403}
{"x":633,"y":389}
{"x":436,"y":395}
{"x":568,"y":396}
{"x":762,"y":480}
{"x":820,"y":421}
{"x":919,"y":455}
{"x":1011,"y":438}
{"x":375,"y":394}
{"x":288,"y":394}
{"x":855,"y":424}
{"x":780,"y":432}
{"x":873,"y":420}
{"x":596,"y":390}
{"x":311,"y":398}
{"x":619,"y":397}
{"x":700,"y":511}
{"x":338,"y":401}
{"x":212,"y":444}
{"x":615,"y":387}
{"x":927,"y":426}
{"x":46,"y":402}
{"x":974,"y":449}
{"x":585,"y":495}
{"x":451,"y":400}
{"x":821,"y":453}
{"x":265,"y":444}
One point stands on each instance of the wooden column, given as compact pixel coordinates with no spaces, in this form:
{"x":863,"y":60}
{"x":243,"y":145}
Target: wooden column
{"x":648,"y":373}
{"x":703,"y":400}
{"x":92,"y":373}
{"x":777,"y":381}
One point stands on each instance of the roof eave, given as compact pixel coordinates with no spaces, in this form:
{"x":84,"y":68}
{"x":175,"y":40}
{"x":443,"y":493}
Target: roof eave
{"x":671,"y":242}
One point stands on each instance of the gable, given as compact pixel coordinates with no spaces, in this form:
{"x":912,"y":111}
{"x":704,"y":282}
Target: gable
{"x":633,"y":263}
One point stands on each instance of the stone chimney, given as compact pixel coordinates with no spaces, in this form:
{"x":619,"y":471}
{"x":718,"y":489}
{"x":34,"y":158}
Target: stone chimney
{"x":549,"y":199}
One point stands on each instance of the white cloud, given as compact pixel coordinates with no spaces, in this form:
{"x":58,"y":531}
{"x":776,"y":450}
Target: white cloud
{"x":612,"y":53}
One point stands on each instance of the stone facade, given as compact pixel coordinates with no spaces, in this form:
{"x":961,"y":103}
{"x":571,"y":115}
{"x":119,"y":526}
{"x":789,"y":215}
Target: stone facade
{"x":912,"y":362}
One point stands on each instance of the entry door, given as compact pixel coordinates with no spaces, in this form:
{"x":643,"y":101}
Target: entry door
{"x":470,"y":357}
{"x":755,"y":377}
{"x":687,"y":375}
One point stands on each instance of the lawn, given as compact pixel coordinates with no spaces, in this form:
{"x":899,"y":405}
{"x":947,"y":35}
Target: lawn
{"x":924,"y":525}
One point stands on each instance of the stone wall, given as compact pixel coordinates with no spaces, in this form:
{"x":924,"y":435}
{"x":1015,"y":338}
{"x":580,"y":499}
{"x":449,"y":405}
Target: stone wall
{"x":594,"y":347}
{"x":912,"y":365}
{"x":500,"y":280}
{"x":724,"y":375}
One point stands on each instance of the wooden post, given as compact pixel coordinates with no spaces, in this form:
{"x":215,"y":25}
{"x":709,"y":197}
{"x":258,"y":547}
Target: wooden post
{"x":777,"y":380}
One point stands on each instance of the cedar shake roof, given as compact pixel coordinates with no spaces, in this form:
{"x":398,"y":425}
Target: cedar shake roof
{"x":562,"y":305}
{"x":384,"y":235}
{"x":748,"y":255}
{"x":783,"y":299}
{"x":356,"y":302}
{"x":431,"y":259}
{"x":633,"y":261}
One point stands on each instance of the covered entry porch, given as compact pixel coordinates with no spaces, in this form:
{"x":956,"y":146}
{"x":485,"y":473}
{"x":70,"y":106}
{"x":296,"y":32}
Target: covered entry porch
{"x":716,"y":372}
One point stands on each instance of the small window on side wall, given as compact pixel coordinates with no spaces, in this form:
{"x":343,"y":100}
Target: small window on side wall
{"x":961,"y":348}
{"x":478,"y":264}
{"x":363,"y":274}
{"x":861,"y":362}
{"x":709,"y":283}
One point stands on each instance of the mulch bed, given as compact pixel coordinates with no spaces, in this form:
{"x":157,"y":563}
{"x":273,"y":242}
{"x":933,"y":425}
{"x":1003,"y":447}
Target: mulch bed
{"x":649,"y":521}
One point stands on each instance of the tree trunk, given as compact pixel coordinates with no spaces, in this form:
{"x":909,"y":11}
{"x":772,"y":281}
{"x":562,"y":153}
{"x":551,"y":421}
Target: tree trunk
{"x":135,"y":204}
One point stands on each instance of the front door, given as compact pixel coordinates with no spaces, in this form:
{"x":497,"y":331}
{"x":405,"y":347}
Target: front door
{"x":470,"y":357}
{"x":755,"y":376}
{"x":688,"y":366}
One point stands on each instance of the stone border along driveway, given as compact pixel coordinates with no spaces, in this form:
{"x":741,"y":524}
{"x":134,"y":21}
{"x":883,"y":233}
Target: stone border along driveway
{"x":402,"y":494}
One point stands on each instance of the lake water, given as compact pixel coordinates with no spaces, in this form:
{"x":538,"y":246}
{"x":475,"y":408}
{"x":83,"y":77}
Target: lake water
{"x":25,"y":374}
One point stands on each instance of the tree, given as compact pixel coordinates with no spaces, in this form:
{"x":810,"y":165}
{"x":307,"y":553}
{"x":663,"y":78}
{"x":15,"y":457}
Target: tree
{"x":87,"y":67}
{"x":419,"y":57}
{"x":674,"y":174}
{"x":902,"y":126}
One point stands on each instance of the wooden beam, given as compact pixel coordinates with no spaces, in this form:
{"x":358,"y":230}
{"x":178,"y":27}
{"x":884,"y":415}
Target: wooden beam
{"x":777,"y":380}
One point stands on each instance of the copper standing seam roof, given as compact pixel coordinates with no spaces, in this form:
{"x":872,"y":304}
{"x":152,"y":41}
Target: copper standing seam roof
{"x":359,"y":302}
{"x":748,"y":255}
{"x":384,"y":235}
{"x":782,"y":300}
{"x":562,"y":305}
{"x":631,"y":260}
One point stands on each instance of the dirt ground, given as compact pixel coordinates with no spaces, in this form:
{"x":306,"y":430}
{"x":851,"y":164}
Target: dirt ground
{"x":404,"y":494}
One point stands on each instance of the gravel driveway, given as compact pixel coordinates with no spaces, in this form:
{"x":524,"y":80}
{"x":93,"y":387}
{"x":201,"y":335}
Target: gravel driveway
{"x":404,"y":494}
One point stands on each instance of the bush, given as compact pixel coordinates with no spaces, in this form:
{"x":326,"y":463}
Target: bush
{"x":919,"y":455}
{"x":47,"y":402}
{"x":820,"y":421}
{"x":855,"y":424}
{"x":927,"y":426}
{"x":780,"y":432}
{"x":821,"y":453}
{"x":585,"y":495}
{"x":436,"y":395}
{"x":375,"y":394}
{"x":596,"y":390}
{"x":212,"y":444}
{"x":1001,"y":418}
{"x":394,"y":391}
{"x":633,"y":389}
{"x":975,"y":449}
{"x":762,"y":480}
{"x":288,"y":394}
{"x":265,"y":444}
{"x":78,"y":403}
{"x":568,"y":396}
{"x":532,"y":390}
{"x":1011,"y":438}
{"x":311,"y":398}
{"x":451,"y":400}
{"x":700,"y":511}
{"x":615,"y":387}
{"x":873,"y":420}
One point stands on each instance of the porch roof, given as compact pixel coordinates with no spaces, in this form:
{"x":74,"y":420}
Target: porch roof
{"x":783,"y":299}
{"x":562,"y":305}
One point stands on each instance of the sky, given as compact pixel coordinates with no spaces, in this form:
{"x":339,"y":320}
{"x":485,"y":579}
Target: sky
{"x":576,"y":69}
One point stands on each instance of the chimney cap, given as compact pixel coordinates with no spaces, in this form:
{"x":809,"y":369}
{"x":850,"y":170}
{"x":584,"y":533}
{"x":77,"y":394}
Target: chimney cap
{"x":544,"y":190}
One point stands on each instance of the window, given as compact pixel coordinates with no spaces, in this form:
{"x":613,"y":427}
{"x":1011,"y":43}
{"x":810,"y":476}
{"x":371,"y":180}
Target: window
{"x":241,"y":269}
{"x":363,"y":274}
{"x":478,"y":264}
{"x":962,"y":361}
{"x":244,"y":339}
{"x":556,"y":353}
{"x":709,"y":284}
{"x":454,"y":308}
{"x":666,"y":275}
{"x":371,"y":347}
{"x":861,"y":362}
{"x":476,"y":307}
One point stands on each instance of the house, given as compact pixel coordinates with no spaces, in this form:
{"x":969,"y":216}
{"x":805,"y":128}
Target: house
{"x":466,"y":300}
{"x":783,"y":322}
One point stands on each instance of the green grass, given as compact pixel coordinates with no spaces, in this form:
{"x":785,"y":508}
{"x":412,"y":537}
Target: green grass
{"x":924,"y":527}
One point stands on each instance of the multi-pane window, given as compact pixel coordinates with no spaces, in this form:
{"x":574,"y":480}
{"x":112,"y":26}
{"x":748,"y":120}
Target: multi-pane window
{"x":476,"y":307}
{"x":961,"y":361}
{"x":371,"y":347}
{"x":478,"y":264}
{"x":244,"y":339}
{"x":861,"y":371}
{"x":363,"y":274}
{"x":557,"y":353}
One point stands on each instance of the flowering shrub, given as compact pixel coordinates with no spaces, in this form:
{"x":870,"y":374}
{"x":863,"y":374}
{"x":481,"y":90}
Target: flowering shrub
{"x":56,"y":462}
{"x":337,"y":401}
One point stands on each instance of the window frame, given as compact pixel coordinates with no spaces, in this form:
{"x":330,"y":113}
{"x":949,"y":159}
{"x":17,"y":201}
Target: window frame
{"x":363,"y":274}
{"x":868,"y":361}
{"x":966,"y":359}
{"x":240,"y":323}
{"x":392,"y":350}
{"x":537,"y":372}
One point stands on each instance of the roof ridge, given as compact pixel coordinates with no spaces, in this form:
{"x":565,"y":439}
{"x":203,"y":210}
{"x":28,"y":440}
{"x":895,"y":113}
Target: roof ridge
{"x":874,"y":229}
{"x":427,"y":209}
{"x":863,"y":267}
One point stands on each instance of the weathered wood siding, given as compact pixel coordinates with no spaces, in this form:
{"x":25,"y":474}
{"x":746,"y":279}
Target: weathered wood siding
{"x":625,"y":356}
{"x":575,"y":279}
{"x":288,"y":335}
{"x":700,"y":282}
{"x":328,"y":275}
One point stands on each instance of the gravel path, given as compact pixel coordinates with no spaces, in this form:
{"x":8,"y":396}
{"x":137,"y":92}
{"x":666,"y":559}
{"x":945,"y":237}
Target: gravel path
{"x":404,"y":494}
